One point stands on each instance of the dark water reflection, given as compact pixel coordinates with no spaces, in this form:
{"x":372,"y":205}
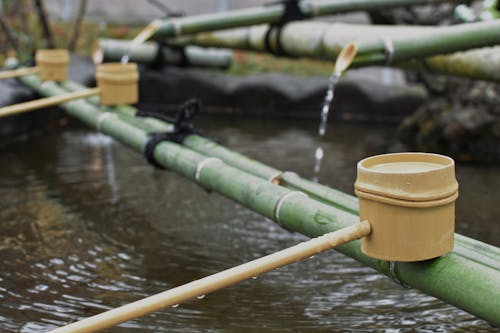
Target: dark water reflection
{"x":86,"y":226}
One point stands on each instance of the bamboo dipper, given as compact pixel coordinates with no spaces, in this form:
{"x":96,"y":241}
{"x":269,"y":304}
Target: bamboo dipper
{"x":116,"y":84}
{"x":399,"y":230}
{"x":51,"y":65}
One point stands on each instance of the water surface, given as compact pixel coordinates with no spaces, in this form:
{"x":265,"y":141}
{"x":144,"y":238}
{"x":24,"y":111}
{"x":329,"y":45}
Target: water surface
{"x":87,"y":225}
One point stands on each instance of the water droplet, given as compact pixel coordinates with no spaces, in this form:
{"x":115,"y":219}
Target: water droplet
{"x":254,"y":277}
{"x":125,"y":58}
{"x":175,"y":305}
{"x":200,"y":296}
{"x":311,"y":257}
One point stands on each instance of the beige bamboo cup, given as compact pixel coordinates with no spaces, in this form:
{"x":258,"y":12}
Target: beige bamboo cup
{"x":117,"y":83}
{"x":52,"y":64}
{"x":409,"y":199}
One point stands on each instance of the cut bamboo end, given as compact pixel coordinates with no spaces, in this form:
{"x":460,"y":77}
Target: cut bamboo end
{"x":345,"y":57}
{"x":97,"y":54}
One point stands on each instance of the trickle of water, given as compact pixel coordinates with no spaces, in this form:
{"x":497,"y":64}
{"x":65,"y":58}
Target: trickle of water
{"x":327,"y":102}
{"x":318,"y":157}
{"x":200,"y":296}
{"x":143,"y":36}
{"x":175,"y":305}
{"x":126,"y":58}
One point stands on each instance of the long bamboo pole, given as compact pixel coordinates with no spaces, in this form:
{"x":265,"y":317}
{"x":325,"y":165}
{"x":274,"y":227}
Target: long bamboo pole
{"x":466,"y":247}
{"x":46,"y":102}
{"x":458,"y":280}
{"x":268,"y":14}
{"x":218,"y":280}
{"x":148,"y":53}
{"x":377,"y":45}
{"x":9,"y":74}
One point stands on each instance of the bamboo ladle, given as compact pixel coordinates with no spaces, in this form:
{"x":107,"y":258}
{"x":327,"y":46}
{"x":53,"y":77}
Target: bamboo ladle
{"x":51,"y":65}
{"x":116,"y":84}
{"x":217,"y":281}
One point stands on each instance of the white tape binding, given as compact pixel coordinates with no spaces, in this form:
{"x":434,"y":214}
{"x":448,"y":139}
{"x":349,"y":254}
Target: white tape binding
{"x":177,"y":27}
{"x":282,"y":200}
{"x":201,"y":165}
{"x":101,"y":118}
{"x":389,"y":50}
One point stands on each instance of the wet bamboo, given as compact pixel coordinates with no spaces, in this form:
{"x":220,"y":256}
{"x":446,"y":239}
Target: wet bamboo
{"x":45,"y":102}
{"x":109,"y":50}
{"x":8,"y":74}
{"x":218,"y":280}
{"x":453,"y":278}
{"x":269,"y":14}
{"x":467,"y":247}
{"x":325,"y":40}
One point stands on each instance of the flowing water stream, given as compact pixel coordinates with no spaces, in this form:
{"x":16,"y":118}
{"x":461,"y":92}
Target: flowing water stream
{"x":325,"y":111}
{"x":141,"y":37}
{"x":87,"y":225}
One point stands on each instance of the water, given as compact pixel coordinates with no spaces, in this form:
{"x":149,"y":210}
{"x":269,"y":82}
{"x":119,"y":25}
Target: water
{"x":325,"y":110}
{"x":327,"y":102}
{"x":77,"y":239}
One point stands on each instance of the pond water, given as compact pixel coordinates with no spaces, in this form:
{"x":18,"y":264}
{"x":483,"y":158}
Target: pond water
{"x":87,"y":225}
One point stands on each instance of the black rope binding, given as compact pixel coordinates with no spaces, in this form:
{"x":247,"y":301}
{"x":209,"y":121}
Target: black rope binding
{"x":292,"y":12}
{"x":183,"y":127}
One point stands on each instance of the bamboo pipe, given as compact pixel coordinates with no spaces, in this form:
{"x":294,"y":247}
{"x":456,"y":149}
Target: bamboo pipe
{"x":321,"y":40}
{"x":272,"y":13}
{"x":18,"y":72}
{"x":46,"y":102}
{"x":218,"y":281}
{"x":107,"y":50}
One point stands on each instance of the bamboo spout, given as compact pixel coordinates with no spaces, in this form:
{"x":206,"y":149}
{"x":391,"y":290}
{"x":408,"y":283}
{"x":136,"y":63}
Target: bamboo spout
{"x":45,"y":102}
{"x":218,"y":281}
{"x":345,"y":57}
{"x":18,"y":72}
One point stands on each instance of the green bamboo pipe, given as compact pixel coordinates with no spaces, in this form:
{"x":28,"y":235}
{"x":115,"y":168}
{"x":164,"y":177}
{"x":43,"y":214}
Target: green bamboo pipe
{"x":457,"y":280}
{"x":269,"y":14}
{"x":322,"y":40}
{"x":468,"y":248}
{"x":113,"y":50}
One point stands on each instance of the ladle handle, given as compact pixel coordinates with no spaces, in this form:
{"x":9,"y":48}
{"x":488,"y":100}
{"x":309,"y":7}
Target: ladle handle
{"x":217,"y":281}
{"x":45,"y":102}
{"x":18,"y":72}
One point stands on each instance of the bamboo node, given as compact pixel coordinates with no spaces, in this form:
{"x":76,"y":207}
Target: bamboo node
{"x":103,"y":116}
{"x":202,"y":164}
{"x":388,"y":50}
{"x":282,"y":200}
{"x":394,"y":276}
